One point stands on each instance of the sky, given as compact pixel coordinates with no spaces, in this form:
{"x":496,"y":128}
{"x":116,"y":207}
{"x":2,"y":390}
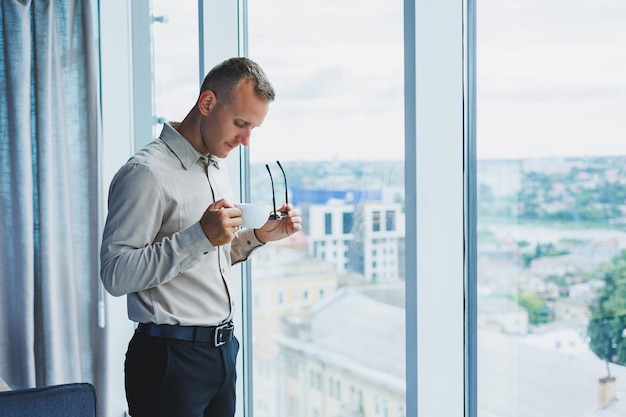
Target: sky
{"x":550,"y":76}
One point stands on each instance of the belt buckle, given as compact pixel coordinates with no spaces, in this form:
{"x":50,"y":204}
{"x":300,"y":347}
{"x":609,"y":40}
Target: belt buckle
{"x":219,"y":334}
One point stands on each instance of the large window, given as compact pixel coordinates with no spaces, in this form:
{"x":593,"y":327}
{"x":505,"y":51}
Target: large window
{"x":551,"y":188}
{"x":361,"y":126}
{"x":337,"y":128}
{"x":549,"y":193}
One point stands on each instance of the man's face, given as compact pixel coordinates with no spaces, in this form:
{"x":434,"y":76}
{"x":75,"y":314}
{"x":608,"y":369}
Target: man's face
{"x":226,"y":126}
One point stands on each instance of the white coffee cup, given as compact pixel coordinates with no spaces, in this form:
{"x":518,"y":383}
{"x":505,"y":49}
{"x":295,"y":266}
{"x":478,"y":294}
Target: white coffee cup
{"x":254,"y":215}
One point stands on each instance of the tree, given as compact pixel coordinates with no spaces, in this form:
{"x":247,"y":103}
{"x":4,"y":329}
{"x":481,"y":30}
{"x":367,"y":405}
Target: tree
{"x":607,"y":327}
{"x":538,"y":310}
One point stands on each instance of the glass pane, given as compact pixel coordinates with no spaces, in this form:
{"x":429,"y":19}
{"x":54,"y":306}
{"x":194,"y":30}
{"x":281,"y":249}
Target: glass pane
{"x":176,"y":60}
{"x":551,"y":204}
{"x":328,"y":318}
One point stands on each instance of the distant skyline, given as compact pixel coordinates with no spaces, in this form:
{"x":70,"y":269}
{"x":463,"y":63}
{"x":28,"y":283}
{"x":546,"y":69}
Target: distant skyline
{"x":550,"y":77}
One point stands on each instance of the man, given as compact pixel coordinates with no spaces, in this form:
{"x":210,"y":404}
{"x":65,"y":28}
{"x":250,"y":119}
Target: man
{"x":171,"y":236}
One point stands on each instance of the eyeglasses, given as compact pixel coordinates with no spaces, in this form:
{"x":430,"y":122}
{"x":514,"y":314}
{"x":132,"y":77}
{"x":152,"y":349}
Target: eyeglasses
{"x":275,"y":215}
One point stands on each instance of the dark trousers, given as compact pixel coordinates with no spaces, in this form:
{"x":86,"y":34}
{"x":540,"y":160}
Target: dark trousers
{"x":173,"y":378}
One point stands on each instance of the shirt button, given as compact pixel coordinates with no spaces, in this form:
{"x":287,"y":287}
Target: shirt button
{"x":205,"y":253}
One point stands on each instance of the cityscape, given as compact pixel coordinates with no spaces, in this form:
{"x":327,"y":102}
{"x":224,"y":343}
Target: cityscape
{"x":328,"y":305}
{"x":323,"y":299}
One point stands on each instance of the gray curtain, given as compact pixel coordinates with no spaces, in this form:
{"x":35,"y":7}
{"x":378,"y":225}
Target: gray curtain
{"x":49,"y":198}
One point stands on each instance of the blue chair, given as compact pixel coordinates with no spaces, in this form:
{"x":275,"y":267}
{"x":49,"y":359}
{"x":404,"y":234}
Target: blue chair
{"x":66,"y":400}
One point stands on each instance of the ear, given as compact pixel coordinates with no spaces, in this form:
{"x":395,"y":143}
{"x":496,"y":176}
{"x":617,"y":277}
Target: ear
{"x":206,"y":102}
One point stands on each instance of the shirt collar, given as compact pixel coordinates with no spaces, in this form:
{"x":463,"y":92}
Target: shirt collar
{"x":183,"y":149}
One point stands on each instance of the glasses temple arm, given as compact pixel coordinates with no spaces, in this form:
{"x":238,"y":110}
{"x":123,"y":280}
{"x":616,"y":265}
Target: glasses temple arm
{"x":273,"y":194}
{"x":285,"y":177}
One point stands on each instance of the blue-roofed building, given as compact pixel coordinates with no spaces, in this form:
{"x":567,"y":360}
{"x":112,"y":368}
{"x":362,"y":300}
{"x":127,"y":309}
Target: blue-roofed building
{"x":303,"y":195}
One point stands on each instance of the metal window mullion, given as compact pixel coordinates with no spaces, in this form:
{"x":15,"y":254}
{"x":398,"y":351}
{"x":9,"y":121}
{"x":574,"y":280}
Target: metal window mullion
{"x":435,"y":209}
{"x":471,"y":282}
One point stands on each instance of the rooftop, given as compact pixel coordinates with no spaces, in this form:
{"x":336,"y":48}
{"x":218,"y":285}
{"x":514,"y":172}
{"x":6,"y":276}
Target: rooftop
{"x":361,"y":330}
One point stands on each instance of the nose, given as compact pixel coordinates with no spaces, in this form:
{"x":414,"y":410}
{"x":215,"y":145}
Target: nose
{"x":244,"y":136}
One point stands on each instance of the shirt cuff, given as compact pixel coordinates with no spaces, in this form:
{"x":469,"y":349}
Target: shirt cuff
{"x":195,"y":239}
{"x":248,"y":238}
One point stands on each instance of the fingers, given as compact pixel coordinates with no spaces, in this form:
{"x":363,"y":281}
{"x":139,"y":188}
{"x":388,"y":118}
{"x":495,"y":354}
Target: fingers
{"x":223,"y":203}
{"x":273,"y":230}
{"x":286,"y":208}
{"x":295,"y":221}
{"x":220,"y":222}
{"x":293,"y":215}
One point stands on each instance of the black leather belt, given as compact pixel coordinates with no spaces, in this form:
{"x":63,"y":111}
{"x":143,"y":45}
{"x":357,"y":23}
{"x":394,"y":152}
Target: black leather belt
{"x":217,"y":335}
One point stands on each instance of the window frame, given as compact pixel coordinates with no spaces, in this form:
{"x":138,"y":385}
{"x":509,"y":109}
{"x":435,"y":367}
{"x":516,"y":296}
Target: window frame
{"x":116,"y":112}
{"x":439,"y":141}
{"x":439,"y":44}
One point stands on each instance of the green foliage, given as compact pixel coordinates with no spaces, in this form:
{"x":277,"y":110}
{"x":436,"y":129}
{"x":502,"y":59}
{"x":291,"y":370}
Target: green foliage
{"x":560,"y":281}
{"x":572,"y":241}
{"x":527,"y":258}
{"x":538,"y":310}
{"x":542,"y":250}
{"x":556,"y":252}
{"x":607,"y":326}
{"x":584,"y":195}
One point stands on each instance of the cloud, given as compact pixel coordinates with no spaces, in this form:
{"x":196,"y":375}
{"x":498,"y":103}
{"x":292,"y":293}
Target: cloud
{"x":549,"y":76}
{"x":322,"y":82}
{"x":338,"y":71}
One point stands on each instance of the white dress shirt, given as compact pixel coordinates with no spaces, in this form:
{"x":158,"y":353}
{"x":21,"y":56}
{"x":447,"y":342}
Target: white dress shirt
{"x":153,"y":247}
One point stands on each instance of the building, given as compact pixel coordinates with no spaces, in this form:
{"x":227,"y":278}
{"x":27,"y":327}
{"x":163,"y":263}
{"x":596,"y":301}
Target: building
{"x":500,"y":314}
{"x":354,"y":367}
{"x":349,"y":367}
{"x":366,"y":238}
{"x":286,"y":281}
